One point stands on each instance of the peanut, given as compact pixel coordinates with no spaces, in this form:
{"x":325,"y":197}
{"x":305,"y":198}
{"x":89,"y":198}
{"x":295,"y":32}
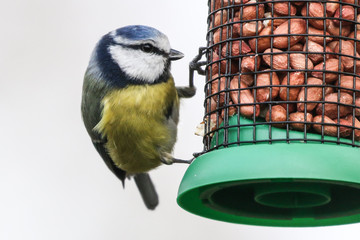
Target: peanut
{"x":332,"y":45}
{"x":251,"y":28}
{"x":290,"y":107}
{"x":357,"y":106}
{"x":316,"y":10}
{"x":298,"y":119}
{"x":224,"y":33}
{"x":347,"y":48}
{"x":273,"y":19}
{"x":312,"y":94}
{"x":344,"y":127}
{"x":331,"y":8}
{"x":240,"y":94}
{"x":220,"y":18}
{"x":346,"y":85}
{"x":220,"y":35}
{"x":297,"y":27}
{"x":275,"y":59}
{"x":335,"y":102}
{"x":262,"y":42}
{"x":250,"y":63}
{"x":356,"y":124}
{"x":218,"y":86}
{"x":212,"y":104}
{"x":222,"y":65}
{"x":347,"y":15}
{"x":297,"y":47}
{"x":247,"y":77}
{"x":231,"y":110}
{"x":317,"y":35}
{"x":215,"y":66}
{"x":317,"y":51}
{"x":276,"y":114}
{"x":264,"y":82}
{"x":230,"y":29}
{"x":331,"y":65}
{"x":328,"y":90}
{"x":282,"y":8}
{"x":324,"y":125}
{"x":223,"y":3}
{"x":335,"y":30}
{"x":298,"y":61}
{"x":357,"y":39}
{"x":235,"y":48}
{"x":251,"y":11}
{"x":289,"y":92}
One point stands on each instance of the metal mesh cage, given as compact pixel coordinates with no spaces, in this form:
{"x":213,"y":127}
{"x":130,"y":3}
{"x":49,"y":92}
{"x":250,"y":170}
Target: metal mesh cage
{"x":282,"y":71}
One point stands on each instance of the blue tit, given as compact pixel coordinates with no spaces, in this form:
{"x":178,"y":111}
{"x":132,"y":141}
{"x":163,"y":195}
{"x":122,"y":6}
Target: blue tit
{"x":130,"y":105}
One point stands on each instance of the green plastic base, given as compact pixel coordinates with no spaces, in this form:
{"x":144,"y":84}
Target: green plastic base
{"x":279,"y":184}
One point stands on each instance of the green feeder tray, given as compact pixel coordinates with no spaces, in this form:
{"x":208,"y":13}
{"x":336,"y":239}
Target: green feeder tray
{"x":280,"y":184}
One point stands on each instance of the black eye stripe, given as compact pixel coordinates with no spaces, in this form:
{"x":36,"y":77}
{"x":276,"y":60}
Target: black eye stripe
{"x":139,"y":46}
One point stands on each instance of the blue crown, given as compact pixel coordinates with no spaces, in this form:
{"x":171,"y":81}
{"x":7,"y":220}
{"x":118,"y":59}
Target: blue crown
{"x":138,"y":32}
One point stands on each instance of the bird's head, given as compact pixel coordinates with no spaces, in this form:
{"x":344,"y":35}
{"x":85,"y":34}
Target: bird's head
{"x":134,"y":54}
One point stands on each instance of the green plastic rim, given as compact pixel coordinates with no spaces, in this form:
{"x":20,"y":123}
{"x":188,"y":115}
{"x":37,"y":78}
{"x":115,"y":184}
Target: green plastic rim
{"x":280,"y":184}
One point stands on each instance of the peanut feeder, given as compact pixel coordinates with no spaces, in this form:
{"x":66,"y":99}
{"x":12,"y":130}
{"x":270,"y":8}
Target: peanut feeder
{"x":282,"y":124}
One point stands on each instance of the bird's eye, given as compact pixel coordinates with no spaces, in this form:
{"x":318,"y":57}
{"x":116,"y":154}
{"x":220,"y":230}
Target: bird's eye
{"x":147,"y":47}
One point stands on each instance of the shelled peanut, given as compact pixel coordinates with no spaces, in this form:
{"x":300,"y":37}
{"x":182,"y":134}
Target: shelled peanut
{"x":288,"y":62}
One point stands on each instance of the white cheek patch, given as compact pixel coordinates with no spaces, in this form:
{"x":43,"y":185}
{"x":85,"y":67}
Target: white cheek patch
{"x":138,"y":64}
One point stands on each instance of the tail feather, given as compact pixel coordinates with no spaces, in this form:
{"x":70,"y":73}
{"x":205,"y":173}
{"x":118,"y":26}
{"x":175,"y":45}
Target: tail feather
{"x":147,"y":190}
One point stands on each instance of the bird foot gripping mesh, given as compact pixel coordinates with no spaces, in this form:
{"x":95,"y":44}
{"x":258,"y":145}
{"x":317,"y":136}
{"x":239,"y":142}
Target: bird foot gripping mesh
{"x":290,"y":65}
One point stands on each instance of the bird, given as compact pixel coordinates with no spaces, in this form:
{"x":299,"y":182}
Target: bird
{"x":130,"y":104}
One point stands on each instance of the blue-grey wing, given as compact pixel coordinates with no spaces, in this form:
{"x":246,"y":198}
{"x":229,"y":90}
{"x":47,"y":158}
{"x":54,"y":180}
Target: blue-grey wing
{"x":91,"y":109}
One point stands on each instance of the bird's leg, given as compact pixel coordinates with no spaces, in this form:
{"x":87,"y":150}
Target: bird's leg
{"x":177,"y":160}
{"x":168,"y":159}
{"x":187,"y":92}
{"x":194,"y":65}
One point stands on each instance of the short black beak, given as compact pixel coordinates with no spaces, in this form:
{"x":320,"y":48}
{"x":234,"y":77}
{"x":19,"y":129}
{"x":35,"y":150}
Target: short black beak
{"x":175,"y":55}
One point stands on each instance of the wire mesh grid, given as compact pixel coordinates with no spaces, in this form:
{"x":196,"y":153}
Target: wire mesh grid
{"x":282,"y":71}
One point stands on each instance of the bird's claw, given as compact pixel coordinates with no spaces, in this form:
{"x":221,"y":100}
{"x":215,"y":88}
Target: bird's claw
{"x":196,"y":64}
{"x":168,"y":159}
{"x":197,"y":154}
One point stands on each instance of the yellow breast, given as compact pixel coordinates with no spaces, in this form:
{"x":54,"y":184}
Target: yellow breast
{"x":134,"y":123}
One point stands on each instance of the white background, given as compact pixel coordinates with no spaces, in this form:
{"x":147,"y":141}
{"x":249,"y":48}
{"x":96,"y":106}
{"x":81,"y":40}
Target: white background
{"x":53,"y":184}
